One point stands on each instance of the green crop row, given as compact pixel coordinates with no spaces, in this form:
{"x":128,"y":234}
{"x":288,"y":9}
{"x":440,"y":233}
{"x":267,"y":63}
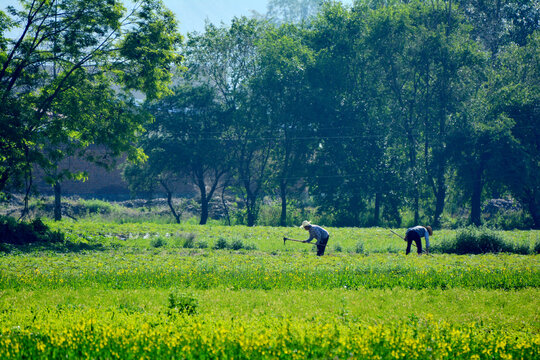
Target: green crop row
{"x":262,"y":338}
{"x":214,"y":269}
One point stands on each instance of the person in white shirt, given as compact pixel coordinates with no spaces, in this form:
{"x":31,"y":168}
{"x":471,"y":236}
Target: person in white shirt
{"x":316,"y":232}
{"x":415,"y":234}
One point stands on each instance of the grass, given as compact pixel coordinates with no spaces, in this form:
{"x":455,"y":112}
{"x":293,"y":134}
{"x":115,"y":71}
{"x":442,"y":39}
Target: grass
{"x":148,"y":290}
{"x":267,"y":239}
{"x":242,"y":270}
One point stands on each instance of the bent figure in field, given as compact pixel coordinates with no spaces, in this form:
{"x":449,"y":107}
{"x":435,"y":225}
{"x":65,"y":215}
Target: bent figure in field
{"x":316,"y":232}
{"x":415,"y":234}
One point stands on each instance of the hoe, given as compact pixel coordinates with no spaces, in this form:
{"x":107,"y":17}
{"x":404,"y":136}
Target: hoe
{"x":402,"y":238}
{"x":300,"y":241}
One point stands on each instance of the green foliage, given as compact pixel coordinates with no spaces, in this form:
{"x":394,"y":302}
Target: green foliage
{"x":221,"y":244}
{"x":536,"y":246}
{"x":510,"y":220}
{"x":359,"y":247}
{"x":97,"y":206}
{"x":182,"y":303}
{"x":158,"y":242}
{"x":61,"y":83}
{"x":21,"y":233}
{"x":131,"y":301}
{"x":189,"y":240}
{"x":474,"y":240}
{"x":233,"y":244}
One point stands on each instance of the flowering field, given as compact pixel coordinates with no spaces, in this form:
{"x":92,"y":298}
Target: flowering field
{"x":118,"y":293}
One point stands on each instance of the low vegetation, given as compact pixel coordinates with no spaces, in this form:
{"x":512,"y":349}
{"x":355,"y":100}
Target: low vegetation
{"x":123,"y":296}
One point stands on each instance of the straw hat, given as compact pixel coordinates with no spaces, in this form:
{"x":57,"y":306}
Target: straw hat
{"x":429,"y":230}
{"x":304,"y":224}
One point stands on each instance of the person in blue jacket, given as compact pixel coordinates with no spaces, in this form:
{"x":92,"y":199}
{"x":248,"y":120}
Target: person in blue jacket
{"x":316,"y":232}
{"x":415,"y":234}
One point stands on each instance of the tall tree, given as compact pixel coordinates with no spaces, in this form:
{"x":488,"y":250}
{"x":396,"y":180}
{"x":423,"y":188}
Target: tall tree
{"x":496,"y":23}
{"x":348,"y":172}
{"x":283,"y":100}
{"x":65,"y":48}
{"x":428,"y":60}
{"x":477,"y":139}
{"x":186,"y":141}
{"x":516,"y":93}
{"x":225,"y":58}
{"x":292,"y":11}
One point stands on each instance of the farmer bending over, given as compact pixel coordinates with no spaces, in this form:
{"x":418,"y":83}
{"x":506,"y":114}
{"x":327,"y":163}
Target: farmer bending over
{"x":316,"y":232}
{"x":414,"y":234}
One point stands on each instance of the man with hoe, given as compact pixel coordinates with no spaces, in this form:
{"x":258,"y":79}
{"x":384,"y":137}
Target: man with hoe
{"x":316,"y":232}
{"x":415,"y":234}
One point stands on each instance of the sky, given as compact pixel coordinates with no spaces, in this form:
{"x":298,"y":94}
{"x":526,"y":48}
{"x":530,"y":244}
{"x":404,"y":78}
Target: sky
{"x":192,"y":14}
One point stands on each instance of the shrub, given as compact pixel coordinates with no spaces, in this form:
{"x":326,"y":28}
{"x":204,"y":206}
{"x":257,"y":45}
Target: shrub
{"x":473,"y":240}
{"x":189,"y":240}
{"x":158,"y":242}
{"x":510,"y":220}
{"x":237,"y":244}
{"x":96,"y":206}
{"x":338,"y":248}
{"x":221,"y":243}
{"x":181,"y":303}
{"x":359,"y":247}
{"x":20,"y":233}
{"x":536,"y":247}
{"x":202,"y":244}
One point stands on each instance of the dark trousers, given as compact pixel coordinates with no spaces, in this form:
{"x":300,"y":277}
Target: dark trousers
{"x":321,"y":247}
{"x":410,"y":237}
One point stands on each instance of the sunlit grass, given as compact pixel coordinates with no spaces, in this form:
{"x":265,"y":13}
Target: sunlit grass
{"x":105,"y":295}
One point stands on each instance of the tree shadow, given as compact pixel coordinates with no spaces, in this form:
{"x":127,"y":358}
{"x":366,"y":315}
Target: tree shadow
{"x":64,"y":247}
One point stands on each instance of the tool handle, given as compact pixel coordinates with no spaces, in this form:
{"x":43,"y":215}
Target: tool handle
{"x":293,"y":240}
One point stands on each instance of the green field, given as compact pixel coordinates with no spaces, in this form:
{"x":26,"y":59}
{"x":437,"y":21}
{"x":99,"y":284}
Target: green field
{"x":125,"y":291}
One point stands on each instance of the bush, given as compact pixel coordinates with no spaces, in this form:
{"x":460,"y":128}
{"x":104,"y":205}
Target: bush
{"x":221,"y":243}
{"x":237,"y":244}
{"x":97,"y":206}
{"x":189,"y":240}
{"x":359,"y":247}
{"x":20,"y":233}
{"x":158,"y":242}
{"x":202,"y":244}
{"x":181,"y":303}
{"x":536,"y":247}
{"x":510,"y":220}
{"x":473,"y":240}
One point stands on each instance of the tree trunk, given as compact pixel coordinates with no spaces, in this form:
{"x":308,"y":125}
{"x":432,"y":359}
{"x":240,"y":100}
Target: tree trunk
{"x":476,"y":198}
{"x":377,"y":210}
{"x":251,"y":216}
{"x":251,"y":208}
{"x":57,"y":201}
{"x":169,"y":201}
{"x":530,"y":201}
{"x":416,"y":205}
{"x":283,"y":194}
{"x":204,"y":198}
{"x":225,"y":207}
{"x":439,"y":205}
{"x":535,"y":214}
{"x":171,"y":207}
{"x":416,"y":192}
{"x":204,"y":211}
